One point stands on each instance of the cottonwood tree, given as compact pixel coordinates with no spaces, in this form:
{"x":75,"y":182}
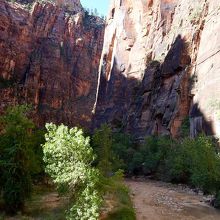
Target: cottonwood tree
{"x":68,"y":157}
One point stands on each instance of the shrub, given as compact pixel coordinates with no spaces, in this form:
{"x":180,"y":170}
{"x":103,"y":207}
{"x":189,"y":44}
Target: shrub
{"x":108,"y":150}
{"x":102,"y":141}
{"x":185,"y":128}
{"x":148,"y":157}
{"x":124,"y":149}
{"x":16,"y":156}
{"x":123,"y":213}
{"x":206,"y":165}
{"x":68,"y":157}
{"x":155,"y":151}
{"x":123,"y":208}
{"x":179,"y":162}
{"x":111,"y":148}
{"x":37,"y":164}
{"x":216,"y":201}
{"x":5,"y":83}
{"x":195,"y":161}
{"x":192,"y":161}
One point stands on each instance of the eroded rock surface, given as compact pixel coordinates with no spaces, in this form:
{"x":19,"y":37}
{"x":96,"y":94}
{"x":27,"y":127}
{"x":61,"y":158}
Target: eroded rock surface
{"x":160,"y":65}
{"x":49,"y":57}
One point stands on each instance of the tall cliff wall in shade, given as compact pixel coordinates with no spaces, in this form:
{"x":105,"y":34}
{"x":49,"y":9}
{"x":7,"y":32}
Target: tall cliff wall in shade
{"x":160,"y":64}
{"x":49,"y":57}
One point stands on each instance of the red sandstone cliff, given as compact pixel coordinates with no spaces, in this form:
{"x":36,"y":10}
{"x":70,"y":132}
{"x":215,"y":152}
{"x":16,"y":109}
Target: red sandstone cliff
{"x":49,"y":57}
{"x":160,"y":64}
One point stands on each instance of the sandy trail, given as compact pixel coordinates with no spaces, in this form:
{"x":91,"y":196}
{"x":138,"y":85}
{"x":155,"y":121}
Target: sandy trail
{"x":162,"y":201}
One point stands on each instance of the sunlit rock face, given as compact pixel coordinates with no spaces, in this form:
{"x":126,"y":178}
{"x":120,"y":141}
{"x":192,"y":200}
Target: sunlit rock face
{"x":159,"y":65}
{"x":49,"y":57}
{"x":69,"y":5}
{"x":206,"y":90}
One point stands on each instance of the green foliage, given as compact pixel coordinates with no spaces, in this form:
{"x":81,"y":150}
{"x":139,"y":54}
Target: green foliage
{"x":37,"y":163}
{"x":192,"y":161}
{"x":16,"y":157}
{"x":216,"y":202}
{"x":105,"y":147}
{"x":123,"y":213}
{"x":154,"y":152}
{"x":112,"y":149}
{"x":122,"y":147}
{"x":123,"y":208}
{"x":5,"y":83}
{"x":102,"y":141}
{"x":144,"y":159}
{"x":185,"y":128}
{"x":68,"y":157}
{"x":205,"y":165}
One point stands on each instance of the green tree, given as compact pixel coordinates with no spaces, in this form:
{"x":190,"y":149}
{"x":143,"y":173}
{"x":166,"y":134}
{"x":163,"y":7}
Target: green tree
{"x":102,"y":141}
{"x":15,"y":157}
{"x":96,"y":12}
{"x":206,"y":165}
{"x":68,"y":157}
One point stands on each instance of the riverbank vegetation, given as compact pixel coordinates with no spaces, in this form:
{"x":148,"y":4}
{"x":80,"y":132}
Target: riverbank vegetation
{"x":87,"y":172}
{"x":191,"y":161}
{"x":64,"y":161}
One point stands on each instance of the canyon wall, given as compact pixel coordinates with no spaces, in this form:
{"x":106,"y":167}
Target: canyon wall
{"x":49,"y":58}
{"x":159,"y":66}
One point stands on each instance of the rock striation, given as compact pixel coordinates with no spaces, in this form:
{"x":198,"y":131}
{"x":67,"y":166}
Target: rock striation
{"x":49,"y":57}
{"x":159,"y":65}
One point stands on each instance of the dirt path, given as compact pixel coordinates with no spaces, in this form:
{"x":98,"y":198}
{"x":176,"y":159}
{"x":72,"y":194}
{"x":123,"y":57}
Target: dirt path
{"x":161,"y":201}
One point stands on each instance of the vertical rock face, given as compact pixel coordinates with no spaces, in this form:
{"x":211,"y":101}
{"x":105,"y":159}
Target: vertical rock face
{"x":205,"y":112}
{"x":49,"y":57}
{"x":159,"y":65}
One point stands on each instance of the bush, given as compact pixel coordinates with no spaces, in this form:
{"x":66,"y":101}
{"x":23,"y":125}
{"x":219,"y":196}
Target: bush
{"x":123,"y":149}
{"x":191,"y":161}
{"x":123,"y":208}
{"x":109,"y":150}
{"x":16,"y":156}
{"x":179,"y":162}
{"x":185,"y":128}
{"x":102,"y":142}
{"x":37,"y":164}
{"x":123,"y":213}
{"x":68,"y":157}
{"x":195,"y":162}
{"x":155,"y":151}
{"x":205,"y":166}
{"x":216,"y":201}
{"x":148,"y":157}
{"x":5,"y":83}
